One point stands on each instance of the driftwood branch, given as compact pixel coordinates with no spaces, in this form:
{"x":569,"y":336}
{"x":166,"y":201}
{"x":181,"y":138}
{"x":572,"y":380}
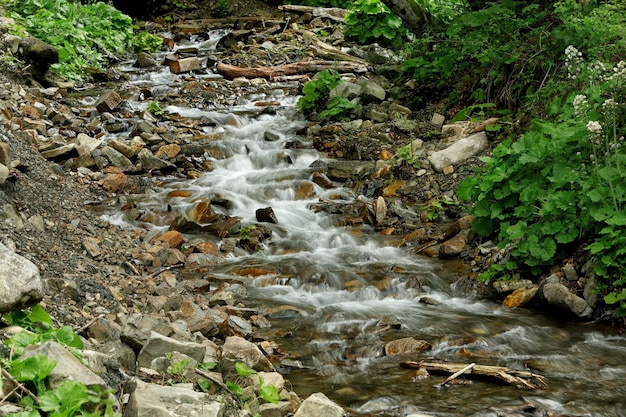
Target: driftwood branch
{"x":217,"y":382}
{"x":301,"y":67}
{"x":332,"y":13}
{"x":457,"y":374}
{"x":20,"y":385}
{"x":510,"y":376}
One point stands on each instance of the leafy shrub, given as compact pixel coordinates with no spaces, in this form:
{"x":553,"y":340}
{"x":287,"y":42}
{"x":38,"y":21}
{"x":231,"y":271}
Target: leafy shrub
{"x":317,"y":97}
{"x":70,"y":398}
{"x":371,"y":20}
{"x":84,"y":35}
{"x":562,"y":184}
{"x":146,"y":42}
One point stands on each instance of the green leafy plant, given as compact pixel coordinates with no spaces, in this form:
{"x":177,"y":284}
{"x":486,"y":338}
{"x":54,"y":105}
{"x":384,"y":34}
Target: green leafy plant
{"x":146,"y":42}
{"x":372,"y":20}
{"x":222,"y":8}
{"x":154,"y":109}
{"x":338,"y":108}
{"x":316,"y":92}
{"x":562,"y":185}
{"x":84,"y":35}
{"x":409,"y":156}
{"x":267,"y":392}
{"x":434,"y":208}
{"x":70,"y":398}
{"x":244,"y":232}
{"x":40,"y":329}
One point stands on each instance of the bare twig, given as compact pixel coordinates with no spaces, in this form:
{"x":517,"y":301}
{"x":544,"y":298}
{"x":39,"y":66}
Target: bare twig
{"x":457,"y":374}
{"x":19,"y":385}
{"x":89,"y":323}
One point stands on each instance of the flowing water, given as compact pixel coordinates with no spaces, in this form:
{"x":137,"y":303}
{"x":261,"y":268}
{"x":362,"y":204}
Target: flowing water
{"x":336,"y":295}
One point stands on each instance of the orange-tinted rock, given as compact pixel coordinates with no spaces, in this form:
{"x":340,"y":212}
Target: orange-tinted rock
{"x":112,"y":183}
{"x":520,"y":296}
{"x":406,"y":345}
{"x":210,"y":248}
{"x":170,"y":151}
{"x":304,"y":190}
{"x":201,"y":212}
{"x":179,"y":193}
{"x":172,"y":238}
{"x":454,"y":246}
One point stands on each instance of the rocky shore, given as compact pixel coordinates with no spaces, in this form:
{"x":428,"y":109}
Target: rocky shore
{"x":122,"y":289}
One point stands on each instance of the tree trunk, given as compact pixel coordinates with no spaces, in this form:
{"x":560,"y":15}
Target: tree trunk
{"x":411,"y":12}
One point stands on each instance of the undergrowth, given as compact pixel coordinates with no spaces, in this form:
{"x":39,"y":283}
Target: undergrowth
{"x":86,"y":36}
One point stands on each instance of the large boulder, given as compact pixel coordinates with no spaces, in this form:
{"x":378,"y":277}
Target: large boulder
{"x":318,"y":405}
{"x":20,"y":283}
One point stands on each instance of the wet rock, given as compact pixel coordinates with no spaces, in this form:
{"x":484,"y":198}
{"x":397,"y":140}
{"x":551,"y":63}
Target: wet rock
{"x":238,"y":349}
{"x":503,"y":287}
{"x":462,"y":224}
{"x":109,"y":156}
{"x":145,"y":60}
{"x":406,"y":345}
{"x":559,"y":295}
{"x":346,"y":89}
{"x":20,"y":283}
{"x":266,"y":215}
{"x":520,"y":296}
{"x":570,"y":272}
{"x":152,"y":400}
{"x":172,"y":238}
{"x":137,"y":327}
{"x":371,"y":91}
{"x":169,"y":151}
{"x":271,"y":136}
{"x":123,"y":148}
{"x":184,"y":65}
{"x":158,"y":345}
{"x":149,"y":162}
{"x":112,"y":183}
{"x":437,"y":120}
{"x":322,"y":180}
{"x":108,"y":102}
{"x":459,"y":151}
{"x":67,"y":367}
{"x":454,"y":246}
{"x":317,"y":405}
{"x":342,"y":170}
{"x":381,"y":210}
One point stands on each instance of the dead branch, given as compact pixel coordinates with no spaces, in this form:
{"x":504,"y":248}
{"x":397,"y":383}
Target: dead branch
{"x":301,"y":67}
{"x":510,"y":376}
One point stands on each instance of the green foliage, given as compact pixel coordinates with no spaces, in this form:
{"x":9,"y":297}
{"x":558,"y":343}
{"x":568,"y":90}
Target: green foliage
{"x":40,"y":329}
{"x":244,"y":232}
{"x":434,"y":208}
{"x":562,"y":184}
{"x":84,"y":35}
{"x":316,"y":91}
{"x":338,"y":108}
{"x":267,"y":392}
{"x":407,"y":154}
{"x":146,"y":42}
{"x":70,"y":398}
{"x":222,"y":8}
{"x":154,"y":109}
{"x":344,"y":4}
{"x":317,"y":98}
{"x":371,"y":20}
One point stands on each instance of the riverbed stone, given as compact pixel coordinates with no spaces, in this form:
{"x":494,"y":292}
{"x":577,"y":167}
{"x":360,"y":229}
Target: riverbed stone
{"x":317,"y":405}
{"x":20,"y":283}
{"x":459,"y":151}
{"x":67,"y":367}
{"x":520,"y":296}
{"x":137,"y":327}
{"x":454,"y":246}
{"x":159,"y":345}
{"x":238,"y":349}
{"x":559,"y":295}
{"x":505,"y":286}
{"x":406,"y":345}
{"x":266,"y":215}
{"x":152,"y":400}
{"x":370,"y":91}
{"x":149,"y":161}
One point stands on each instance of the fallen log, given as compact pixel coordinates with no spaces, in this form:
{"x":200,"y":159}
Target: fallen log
{"x":333,"y":13}
{"x":301,"y":67}
{"x":521,"y":379}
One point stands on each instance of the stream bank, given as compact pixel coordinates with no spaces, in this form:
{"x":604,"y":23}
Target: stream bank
{"x":121,"y":281}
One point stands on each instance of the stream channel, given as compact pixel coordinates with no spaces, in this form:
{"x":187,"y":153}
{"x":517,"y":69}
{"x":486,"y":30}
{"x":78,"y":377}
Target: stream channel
{"x":330,"y":290}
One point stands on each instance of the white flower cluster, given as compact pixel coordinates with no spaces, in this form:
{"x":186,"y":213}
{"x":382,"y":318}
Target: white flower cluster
{"x":609,"y":106}
{"x":581,"y":105}
{"x":619,"y":71}
{"x":594,"y":127}
{"x":573,"y":60}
